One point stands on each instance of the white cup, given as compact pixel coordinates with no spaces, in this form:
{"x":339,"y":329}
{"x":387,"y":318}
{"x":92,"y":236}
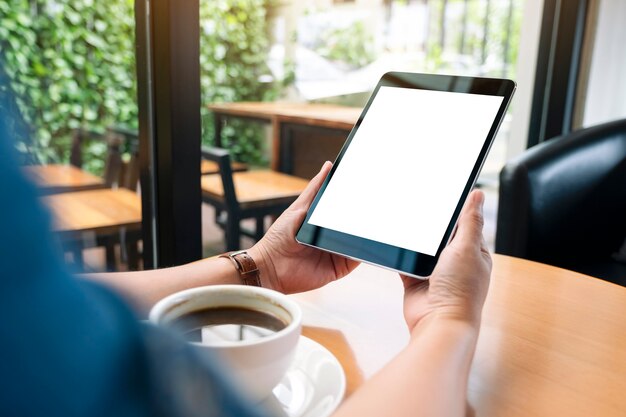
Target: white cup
{"x":259,"y":364}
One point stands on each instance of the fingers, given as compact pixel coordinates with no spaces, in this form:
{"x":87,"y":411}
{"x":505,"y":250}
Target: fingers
{"x":305,"y":199}
{"x":470,"y":228}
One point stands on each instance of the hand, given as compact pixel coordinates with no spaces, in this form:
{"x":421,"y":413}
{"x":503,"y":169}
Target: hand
{"x":288,"y":266}
{"x":458,"y":285}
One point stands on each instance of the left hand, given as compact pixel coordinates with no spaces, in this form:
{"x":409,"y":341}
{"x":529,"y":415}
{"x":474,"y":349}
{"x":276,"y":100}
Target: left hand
{"x":459,"y":283}
{"x":288,"y":266}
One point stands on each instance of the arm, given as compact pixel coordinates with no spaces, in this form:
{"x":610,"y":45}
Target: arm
{"x":144,"y":288}
{"x":429,"y":377}
{"x":284,"y":264}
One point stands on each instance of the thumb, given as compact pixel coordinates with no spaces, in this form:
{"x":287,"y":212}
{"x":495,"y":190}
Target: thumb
{"x":470,"y":228}
{"x":306,"y":197}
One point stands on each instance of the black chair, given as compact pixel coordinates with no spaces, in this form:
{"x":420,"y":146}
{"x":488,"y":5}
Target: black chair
{"x":243,"y":195}
{"x":563,"y":203}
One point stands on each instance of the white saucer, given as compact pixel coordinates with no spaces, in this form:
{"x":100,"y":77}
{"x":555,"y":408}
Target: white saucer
{"x":313,"y":386}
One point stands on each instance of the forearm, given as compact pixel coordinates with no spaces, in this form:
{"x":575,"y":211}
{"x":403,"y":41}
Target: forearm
{"x":428,"y":378}
{"x":144,"y":288}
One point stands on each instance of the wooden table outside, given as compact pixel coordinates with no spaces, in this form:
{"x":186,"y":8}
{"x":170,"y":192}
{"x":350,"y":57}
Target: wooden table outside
{"x":96,"y":210}
{"x":286,"y":119}
{"x":55,"y":178}
{"x":552,"y":343}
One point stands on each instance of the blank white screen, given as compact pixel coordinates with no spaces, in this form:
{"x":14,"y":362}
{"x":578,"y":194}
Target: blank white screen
{"x":405,"y":169}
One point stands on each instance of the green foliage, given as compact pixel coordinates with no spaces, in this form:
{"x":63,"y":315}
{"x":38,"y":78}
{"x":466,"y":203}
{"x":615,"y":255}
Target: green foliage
{"x":476,"y":38}
{"x":71,"y":63}
{"x":234,"y":50}
{"x":352,"y":45}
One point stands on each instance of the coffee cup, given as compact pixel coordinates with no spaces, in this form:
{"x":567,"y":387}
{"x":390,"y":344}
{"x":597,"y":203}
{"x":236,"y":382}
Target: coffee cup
{"x":255,"y":330}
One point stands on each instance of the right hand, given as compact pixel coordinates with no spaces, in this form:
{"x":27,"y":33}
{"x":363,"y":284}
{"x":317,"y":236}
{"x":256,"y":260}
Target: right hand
{"x":458,"y":285}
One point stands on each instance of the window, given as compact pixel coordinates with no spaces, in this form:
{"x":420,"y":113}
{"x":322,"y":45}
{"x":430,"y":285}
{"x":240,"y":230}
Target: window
{"x":339,"y":51}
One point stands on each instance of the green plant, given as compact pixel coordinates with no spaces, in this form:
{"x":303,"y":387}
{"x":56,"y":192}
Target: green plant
{"x":71,"y":63}
{"x":352,"y":45}
{"x":234,"y":46}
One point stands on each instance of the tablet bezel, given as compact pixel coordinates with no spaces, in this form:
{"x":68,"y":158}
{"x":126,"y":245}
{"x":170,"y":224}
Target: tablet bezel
{"x":398,"y":259}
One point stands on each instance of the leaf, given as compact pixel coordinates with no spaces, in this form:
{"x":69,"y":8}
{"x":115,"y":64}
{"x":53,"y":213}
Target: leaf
{"x":73,"y":17}
{"x":95,"y":40}
{"x":23,"y":19}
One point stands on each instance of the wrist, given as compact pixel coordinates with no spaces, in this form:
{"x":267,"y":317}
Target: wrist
{"x":245,"y":266}
{"x":265,"y":265}
{"x":448,"y":344}
{"x":445,"y":321}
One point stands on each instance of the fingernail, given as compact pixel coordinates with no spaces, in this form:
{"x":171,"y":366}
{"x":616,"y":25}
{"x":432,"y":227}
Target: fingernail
{"x":481,"y":201}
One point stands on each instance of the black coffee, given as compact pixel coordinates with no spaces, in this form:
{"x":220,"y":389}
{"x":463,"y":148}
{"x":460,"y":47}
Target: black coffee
{"x":227,"y":324}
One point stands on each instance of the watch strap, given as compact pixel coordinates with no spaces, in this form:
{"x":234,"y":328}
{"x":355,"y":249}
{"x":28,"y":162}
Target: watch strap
{"x":245,"y":265}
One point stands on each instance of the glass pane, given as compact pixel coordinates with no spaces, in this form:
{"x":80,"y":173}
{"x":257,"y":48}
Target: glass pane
{"x":606,"y":86}
{"x":316,"y":63}
{"x":341,"y":50}
{"x":71,"y":70}
{"x":234,"y":64}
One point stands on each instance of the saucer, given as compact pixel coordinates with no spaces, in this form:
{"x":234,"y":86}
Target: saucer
{"x":313,"y":386}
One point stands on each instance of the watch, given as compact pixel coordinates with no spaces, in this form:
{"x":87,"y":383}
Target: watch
{"x":245,"y":265}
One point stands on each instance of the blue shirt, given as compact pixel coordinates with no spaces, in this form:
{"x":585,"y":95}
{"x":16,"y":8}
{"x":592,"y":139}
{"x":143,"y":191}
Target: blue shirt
{"x":72,"y":348}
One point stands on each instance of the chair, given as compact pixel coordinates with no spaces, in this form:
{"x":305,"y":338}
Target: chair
{"x":563,"y":202}
{"x":117,"y":174}
{"x":128,"y":178}
{"x":210,"y":167}
{"x":113,"y":159}
{"x":245,"y":195}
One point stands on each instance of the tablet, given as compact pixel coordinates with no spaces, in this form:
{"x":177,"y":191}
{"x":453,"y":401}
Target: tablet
{"x":398,"y":185}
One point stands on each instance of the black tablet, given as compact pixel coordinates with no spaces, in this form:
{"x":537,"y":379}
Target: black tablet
{"x":398,"y":185}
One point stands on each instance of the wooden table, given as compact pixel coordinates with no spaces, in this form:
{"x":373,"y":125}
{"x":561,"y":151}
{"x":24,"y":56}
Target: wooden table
{"x":101,"y":210}
{"x":55,"y":178}
{"x":328,"y":124}
{"x":553,"y":342}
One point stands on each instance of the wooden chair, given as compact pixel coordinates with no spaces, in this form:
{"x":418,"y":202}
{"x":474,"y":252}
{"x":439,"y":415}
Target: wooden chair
{"x":129,"y":179}
{"x":113,"y":159}
{"x":130,"y":136}
{"x":245,"y":195}
{"x":128,"y":176}
{"x":117,"y":174}
{"x":210,"y":167}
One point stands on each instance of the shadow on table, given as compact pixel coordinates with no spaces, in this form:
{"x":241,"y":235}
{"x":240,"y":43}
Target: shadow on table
{"x":337,"y":344}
